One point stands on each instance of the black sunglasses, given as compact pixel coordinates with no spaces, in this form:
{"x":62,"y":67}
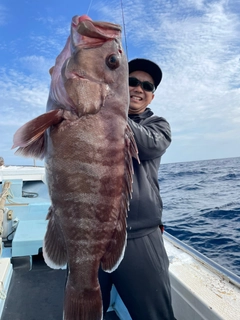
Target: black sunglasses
{"x":145,"y":85}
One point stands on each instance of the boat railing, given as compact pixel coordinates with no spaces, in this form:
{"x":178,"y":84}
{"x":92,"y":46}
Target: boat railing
{"x":207,"y":262}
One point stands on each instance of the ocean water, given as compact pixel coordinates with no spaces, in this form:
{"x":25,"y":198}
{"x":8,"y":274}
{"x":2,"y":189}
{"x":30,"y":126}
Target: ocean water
{"x":201,"y":201}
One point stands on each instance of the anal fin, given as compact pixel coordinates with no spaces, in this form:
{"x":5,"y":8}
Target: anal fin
{"x":116,"y":247}
{"x":54,"y":248}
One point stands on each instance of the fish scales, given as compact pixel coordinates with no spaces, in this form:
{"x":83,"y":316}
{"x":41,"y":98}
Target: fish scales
{"x":88,"y":149}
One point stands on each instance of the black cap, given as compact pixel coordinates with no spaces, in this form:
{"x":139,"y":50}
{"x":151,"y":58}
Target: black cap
{"x":147,"y":66}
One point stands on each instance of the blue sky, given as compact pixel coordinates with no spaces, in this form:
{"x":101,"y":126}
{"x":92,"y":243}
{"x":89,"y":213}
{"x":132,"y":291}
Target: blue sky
{"x":196,"y":43}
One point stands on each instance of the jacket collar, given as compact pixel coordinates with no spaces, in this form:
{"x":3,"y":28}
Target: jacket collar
{"x":141,"y":116}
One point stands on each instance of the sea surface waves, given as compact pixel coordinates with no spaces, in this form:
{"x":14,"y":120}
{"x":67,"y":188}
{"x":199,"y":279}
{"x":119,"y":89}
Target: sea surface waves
{"x":201,"y":201}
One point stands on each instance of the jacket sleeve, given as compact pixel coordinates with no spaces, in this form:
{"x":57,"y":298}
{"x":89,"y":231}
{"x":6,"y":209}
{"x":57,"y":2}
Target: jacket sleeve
{"x":152,"y":137}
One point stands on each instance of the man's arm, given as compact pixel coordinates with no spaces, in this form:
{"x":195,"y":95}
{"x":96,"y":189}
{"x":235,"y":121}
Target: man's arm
{"x":152,"y":138}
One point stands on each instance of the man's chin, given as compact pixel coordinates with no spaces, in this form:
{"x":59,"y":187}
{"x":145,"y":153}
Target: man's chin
{"x":135,"y":110}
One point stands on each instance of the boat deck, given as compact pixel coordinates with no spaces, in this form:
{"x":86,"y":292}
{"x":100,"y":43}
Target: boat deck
{"x":38,"y":293}
{"x":34,"y":294}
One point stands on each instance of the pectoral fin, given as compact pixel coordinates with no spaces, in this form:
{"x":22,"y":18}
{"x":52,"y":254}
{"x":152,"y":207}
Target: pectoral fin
{"x":30,"y":137}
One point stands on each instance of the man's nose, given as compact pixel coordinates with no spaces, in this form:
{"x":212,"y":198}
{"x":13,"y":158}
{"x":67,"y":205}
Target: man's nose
{"x":138,"y":88}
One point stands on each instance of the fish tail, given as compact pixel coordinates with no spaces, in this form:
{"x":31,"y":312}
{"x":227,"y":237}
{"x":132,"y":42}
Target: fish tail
{"x":82,"y":305}
{"x":54,"y":248}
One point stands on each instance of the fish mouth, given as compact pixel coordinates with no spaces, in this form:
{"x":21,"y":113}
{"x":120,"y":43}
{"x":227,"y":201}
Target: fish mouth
{"x":96,"y":29}
{"x":88,"y":33}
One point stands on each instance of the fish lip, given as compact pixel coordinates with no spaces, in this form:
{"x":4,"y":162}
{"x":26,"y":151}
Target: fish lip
{"x":93,"y":29}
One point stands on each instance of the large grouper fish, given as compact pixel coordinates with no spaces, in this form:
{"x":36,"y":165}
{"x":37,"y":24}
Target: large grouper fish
{"x":88,"y":149}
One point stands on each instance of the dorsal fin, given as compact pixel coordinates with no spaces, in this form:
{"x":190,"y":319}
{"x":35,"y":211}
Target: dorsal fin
{"x":116,"y":248}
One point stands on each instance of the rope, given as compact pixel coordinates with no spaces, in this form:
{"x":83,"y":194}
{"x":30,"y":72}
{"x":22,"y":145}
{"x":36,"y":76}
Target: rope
{"x":2,"y":291}
{"x":9,"y":201}
{"x":124,"y":29}
{"x":3,"y":198}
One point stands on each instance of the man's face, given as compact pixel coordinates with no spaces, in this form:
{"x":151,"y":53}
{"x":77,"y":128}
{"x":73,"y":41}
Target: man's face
{"x":139,"y":98}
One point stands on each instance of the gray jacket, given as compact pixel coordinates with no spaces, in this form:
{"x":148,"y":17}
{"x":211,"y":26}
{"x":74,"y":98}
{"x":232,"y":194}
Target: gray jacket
{"x":153,"y":136}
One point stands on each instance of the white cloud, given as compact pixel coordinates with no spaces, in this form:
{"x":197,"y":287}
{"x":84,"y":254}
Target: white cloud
{"x":38,"y":65}
{"x":21,"y":97}
{"x":199,"y":94}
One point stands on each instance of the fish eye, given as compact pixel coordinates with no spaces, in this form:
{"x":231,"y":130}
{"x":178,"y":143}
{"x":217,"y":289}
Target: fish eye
{"x":112,"y":61}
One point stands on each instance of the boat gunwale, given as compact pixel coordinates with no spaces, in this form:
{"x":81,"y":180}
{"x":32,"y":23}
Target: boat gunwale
{"x":222,"y":272}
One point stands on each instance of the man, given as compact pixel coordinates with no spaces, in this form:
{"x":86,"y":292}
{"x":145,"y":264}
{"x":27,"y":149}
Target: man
{"x":142,"y":279}
{"x":1,"y":161}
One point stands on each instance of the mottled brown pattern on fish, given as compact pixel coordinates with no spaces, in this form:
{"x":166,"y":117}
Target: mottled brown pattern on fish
{"x":88,"y":149}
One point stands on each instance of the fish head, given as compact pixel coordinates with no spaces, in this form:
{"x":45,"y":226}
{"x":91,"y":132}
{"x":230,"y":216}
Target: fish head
{"x":93,"y":68}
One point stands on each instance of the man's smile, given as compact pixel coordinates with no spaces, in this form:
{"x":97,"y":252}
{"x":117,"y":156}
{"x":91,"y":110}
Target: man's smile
{"x":133,"y":97}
